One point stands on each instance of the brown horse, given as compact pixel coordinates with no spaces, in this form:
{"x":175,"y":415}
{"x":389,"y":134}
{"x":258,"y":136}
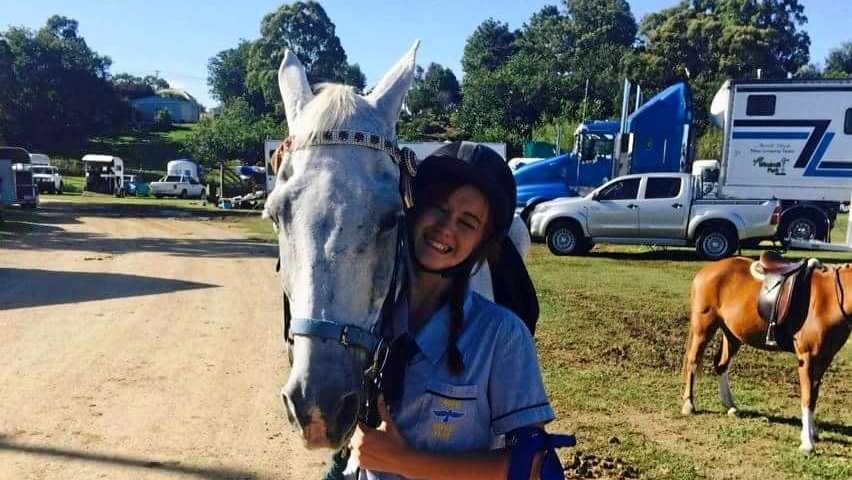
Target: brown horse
{"x":724,"y":295}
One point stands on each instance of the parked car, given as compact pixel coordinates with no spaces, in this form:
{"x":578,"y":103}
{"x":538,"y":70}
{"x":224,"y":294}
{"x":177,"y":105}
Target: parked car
{"x":47,"y":178}
{"x":181,"y":186}
{"x":655,"y":209}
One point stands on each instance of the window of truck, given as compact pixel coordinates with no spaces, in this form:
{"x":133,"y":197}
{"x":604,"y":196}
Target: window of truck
{"x":760,"y":105}
{"x":662,"y":187}
{"x":626,"y":189}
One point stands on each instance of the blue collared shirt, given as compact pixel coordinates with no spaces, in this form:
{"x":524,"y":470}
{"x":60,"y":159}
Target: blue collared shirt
{"x":499,"y":390}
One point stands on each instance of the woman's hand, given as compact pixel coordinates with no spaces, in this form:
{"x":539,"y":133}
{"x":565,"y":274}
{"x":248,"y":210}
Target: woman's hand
{"x":380,"y":449}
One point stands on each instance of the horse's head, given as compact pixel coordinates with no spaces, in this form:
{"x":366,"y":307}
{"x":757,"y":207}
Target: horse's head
{"x":336,"y":208}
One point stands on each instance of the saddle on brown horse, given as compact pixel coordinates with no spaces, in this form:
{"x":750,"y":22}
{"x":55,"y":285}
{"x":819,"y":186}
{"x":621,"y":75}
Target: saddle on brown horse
{"x":784,"y":297}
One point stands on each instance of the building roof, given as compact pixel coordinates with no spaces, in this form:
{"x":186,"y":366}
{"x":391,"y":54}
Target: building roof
{"x":176,"y":93}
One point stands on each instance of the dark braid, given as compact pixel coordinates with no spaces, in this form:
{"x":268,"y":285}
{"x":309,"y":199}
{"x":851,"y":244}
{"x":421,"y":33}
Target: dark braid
{"x":456,"y":301}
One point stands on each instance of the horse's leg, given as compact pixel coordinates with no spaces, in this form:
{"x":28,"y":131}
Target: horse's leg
{"x":702,"y":326}
{"x":730,"y":347}
{"x":806,"y":384}
{"x":820,"y":365}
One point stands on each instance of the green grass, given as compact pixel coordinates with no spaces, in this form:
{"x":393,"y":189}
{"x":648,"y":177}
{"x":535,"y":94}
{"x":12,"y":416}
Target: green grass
{"x":143,"y":149}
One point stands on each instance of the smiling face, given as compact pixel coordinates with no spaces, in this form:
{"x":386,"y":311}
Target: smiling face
{"x":450,"y":226}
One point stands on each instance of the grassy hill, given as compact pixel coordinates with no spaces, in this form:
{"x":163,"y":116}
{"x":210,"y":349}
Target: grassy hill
{"x":142,"y":149}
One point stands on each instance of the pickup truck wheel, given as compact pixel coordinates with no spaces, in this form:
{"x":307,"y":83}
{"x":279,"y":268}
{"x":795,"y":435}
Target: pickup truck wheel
{"x":566,"y":238}
{"x":803,"y":227}
{"x":716,"y":242}
{"x":157,"y":195}
{"x":182,"y":194}
{"x":61,"y":187}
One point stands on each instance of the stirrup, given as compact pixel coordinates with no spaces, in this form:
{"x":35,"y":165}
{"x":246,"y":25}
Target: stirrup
{"x":770,"y":336}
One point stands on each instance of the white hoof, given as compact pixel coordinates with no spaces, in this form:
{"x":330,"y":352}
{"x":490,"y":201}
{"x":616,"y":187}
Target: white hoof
{"x":732,"y":412}
{"x":688,"y":408}
{"x":806,"y":449}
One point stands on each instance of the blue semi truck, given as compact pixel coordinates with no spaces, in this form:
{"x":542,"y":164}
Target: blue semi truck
{"x":656,"y":137}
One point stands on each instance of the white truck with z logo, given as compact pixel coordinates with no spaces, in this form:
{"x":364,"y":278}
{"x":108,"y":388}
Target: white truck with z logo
{"x":789,"y":140}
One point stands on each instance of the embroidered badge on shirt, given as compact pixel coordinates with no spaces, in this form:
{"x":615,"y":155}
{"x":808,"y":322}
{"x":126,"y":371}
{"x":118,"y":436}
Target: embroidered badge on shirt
{"x":447,"y":414}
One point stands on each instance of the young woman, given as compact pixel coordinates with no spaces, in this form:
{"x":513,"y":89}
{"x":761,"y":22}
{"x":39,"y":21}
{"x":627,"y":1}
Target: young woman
{"x":467,"y":368}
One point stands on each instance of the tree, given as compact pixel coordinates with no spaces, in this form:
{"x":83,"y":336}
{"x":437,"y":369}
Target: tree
{"x":706,"y":42}
{"x":63,"y":94}
{"x":237,"y":133}
{"x":437,"y":91}
{"x":490,"y":46}
{"x":9,"y":87}
{"x":226,"y":75}
{"x":839,"y":61}
{"x":601,"y":22}
{"x":305,"y":29}
{"x":131,"y":87}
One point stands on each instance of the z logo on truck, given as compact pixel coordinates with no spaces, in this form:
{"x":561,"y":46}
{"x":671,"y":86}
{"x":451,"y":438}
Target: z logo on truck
{"x":810,"y":158}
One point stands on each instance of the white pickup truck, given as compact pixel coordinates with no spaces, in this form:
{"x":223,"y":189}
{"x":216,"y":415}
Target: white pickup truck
{"x":181,"y":186}
{"x":47,"y":178}
{"x":654,"y":209}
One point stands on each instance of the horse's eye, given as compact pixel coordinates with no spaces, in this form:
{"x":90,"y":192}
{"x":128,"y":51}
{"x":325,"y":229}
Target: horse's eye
{"x":388,"y":222}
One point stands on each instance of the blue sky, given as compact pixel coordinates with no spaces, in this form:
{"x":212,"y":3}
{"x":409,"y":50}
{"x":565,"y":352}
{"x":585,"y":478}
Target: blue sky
{"x":178,"y":37}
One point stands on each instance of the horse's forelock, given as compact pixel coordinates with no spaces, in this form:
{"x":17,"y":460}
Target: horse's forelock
{"x":333,"y":106}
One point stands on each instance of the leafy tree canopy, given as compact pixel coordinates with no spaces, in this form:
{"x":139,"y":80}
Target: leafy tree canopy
{"x":839,"y":61}
{"x":490,"y":46}
{"x":305,"y":29}
{"x":60,"y":93}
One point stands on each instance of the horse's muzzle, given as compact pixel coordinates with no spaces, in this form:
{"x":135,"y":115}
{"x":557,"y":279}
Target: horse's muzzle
{"x":327,"y":422}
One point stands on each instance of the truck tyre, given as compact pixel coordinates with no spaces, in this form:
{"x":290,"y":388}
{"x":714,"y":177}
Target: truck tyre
{"x":566,"y":238}
{"x":158,"y":195}
{"x":803,"y":226}
{"x":182,"y":194}
{"x":716,"y":241}
{"x":61,"y":187}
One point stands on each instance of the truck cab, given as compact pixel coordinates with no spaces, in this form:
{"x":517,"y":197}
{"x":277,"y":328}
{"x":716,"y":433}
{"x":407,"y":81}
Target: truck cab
{"x":655,"y":137}
{"x":571,"y":174}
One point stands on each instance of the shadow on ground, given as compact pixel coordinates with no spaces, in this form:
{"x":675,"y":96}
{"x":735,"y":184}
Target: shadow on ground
{"x":58,"y":287}
{"x":125,"y":461}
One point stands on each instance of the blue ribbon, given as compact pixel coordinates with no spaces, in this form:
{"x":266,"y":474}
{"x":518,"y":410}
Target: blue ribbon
{"x":526,"y":442}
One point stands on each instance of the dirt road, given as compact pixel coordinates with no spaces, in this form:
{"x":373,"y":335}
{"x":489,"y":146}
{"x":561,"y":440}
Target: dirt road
{"x":138,"y":347}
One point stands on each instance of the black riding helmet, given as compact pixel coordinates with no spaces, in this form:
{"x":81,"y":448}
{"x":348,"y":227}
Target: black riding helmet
{"x":480,"y":166}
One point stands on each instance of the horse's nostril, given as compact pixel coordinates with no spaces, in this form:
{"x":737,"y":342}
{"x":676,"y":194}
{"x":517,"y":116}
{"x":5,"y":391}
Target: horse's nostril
{"x":347,"y":411}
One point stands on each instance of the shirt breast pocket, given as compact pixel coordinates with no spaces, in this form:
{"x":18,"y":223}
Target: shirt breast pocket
{"x":454,"y":419}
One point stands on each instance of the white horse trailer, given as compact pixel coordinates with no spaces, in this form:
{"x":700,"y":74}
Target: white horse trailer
{"x":104,"y":174}
{"x":789,"y":140}
{"x":182,"y":167}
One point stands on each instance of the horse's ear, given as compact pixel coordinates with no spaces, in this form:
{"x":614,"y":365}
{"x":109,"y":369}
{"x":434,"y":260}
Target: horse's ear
{"x":293,"y":84}
{"x":389,"y":93}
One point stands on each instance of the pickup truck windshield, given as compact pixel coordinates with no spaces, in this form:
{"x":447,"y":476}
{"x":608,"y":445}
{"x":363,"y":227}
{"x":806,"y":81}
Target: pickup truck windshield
{"x":41,"y":171}
{"x":172,"y":178}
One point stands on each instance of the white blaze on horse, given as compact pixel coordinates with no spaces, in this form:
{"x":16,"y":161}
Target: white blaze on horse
{"x":336,"y":206}
{"x":725,"y":295}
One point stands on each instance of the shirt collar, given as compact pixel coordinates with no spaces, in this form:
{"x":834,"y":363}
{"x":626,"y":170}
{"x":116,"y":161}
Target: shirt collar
{"x":432,"y":339}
